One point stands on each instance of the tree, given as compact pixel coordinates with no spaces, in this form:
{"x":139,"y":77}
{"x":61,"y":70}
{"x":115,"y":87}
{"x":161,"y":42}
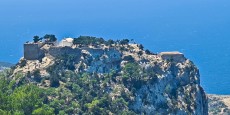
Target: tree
{"x":124,"y":42}
{"x":132,"y":40}
{"x":118,"y":105}
{"x":140,"y":53}
{"x":110,"y":42}
{"x":22,"y":63}
{"x":44,"y":110}
{"x":54,"y":80}
{"x":50,"y":38}
{"x":132,"y":74}
{"x":141,"y":46}
{"x":132,"y":70}
{"x":26,"y":98}
{"x":87,"y":40}
{"x":36,"y":39}
{"x":148,"y":52}
{"x":37,"y":75}
{"x":129,"y":58}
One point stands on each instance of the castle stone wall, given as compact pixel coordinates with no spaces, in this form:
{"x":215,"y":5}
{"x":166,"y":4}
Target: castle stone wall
{"x":175,"y":56}
{"x":32,"y":51}
{"x":58,"y":51}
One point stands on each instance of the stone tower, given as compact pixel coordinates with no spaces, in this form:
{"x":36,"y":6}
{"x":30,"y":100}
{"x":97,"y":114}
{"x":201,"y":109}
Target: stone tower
{"x":32,"y":51}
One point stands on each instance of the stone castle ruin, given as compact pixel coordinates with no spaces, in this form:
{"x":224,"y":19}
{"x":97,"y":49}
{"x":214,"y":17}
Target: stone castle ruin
{"x":33,"y":51}
{"x":105,"y":57}
{"x":172,"y":56}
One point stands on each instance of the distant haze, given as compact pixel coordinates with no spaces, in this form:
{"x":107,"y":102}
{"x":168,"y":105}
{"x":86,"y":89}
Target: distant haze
{"x":198,"y":28}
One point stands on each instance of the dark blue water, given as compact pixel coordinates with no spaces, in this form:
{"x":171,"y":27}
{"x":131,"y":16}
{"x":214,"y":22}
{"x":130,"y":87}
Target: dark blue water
{"x":198,"y":28}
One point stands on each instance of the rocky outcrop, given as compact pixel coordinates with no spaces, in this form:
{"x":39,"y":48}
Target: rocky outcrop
{"x":101,"y":61}
{"x":173,"y":87}
{"x":177,"y":91}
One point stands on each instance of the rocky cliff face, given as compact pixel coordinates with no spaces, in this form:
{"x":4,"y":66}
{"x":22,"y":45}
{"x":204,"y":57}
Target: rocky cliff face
{"x":177,"y":91}
{"x":155,"y":85}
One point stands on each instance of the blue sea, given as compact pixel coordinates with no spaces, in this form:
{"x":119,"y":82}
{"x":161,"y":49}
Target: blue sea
{"x":198,"y":28}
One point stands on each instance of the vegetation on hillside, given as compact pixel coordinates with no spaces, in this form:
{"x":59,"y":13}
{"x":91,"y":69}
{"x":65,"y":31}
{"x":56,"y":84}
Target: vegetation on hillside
{"x":26,"y":99}
{"x":72,"y":93}
{"x":77,"y":83}
{"x":47,"y":38}
{"x":88,"y":40}
{"x":69,"y":89}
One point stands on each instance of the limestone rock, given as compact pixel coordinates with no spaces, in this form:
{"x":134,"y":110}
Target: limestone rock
{"x":175,"y":90}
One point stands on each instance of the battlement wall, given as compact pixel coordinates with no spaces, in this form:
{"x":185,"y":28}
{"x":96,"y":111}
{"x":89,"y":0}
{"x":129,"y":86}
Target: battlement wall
{"x":58,"y":51}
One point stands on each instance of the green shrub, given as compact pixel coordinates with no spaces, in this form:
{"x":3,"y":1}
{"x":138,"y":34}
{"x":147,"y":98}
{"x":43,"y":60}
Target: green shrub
{"x":22,"y":63}
{"x":129,"y":58}
{"x":87,"y":40}
{"x":124,"y":42}
{"x":141,"y":46}
{"x":50,"y":38}
{"x":44,"y":110}
{"x":148,"y":52}
{"x":37,"y":75}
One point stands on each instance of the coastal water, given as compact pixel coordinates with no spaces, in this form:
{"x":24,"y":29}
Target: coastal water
{"x":198,"y":28}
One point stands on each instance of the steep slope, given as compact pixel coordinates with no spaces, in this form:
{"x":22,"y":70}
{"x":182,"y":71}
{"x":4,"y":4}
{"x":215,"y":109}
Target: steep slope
{"x":114,"y":78}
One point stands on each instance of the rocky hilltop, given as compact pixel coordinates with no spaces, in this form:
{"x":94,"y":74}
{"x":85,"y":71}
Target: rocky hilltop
{"x":94,"y":76}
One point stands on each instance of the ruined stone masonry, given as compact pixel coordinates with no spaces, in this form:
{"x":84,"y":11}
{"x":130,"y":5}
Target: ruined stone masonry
{"x":32,"y":51}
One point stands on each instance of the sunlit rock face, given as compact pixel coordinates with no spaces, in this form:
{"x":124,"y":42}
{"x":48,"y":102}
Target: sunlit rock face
{"x":177,"y":91}
{"x":102,"y":61}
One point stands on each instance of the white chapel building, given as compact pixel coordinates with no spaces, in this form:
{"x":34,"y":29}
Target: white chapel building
{"x":66,"y":42}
